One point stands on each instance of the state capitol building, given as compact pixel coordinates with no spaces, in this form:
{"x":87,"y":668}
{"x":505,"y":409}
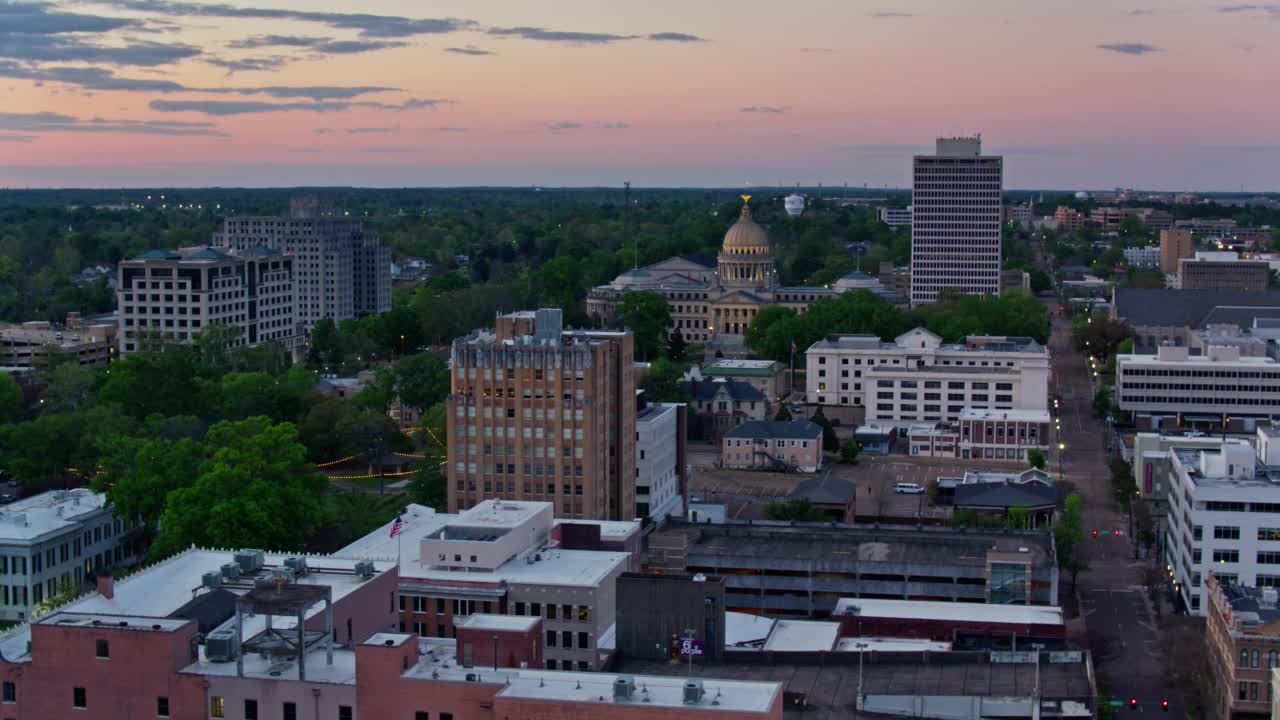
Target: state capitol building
{"x":714,"y":300}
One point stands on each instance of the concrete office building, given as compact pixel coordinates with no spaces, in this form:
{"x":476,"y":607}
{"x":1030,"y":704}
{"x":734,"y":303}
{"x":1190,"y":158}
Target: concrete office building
{"x":342,"y":270}
{"x":1217,"y":389}
{"x":1175,"y":244}
{"x":918,"y":377}
{"x":804,"y":569}
{"x":33,"y":343}
{"x":894,"y":217}
{"x":537,"y":412}
{"x":955,"y":229}
{"x":1207,"y":227}
{"x":662,"y":462}
{"x":1151,"y":466}
{"x":1223,"y":271}
{"x":176,"y":294}
{"x":1068,"y":219}
{"x":53,"y":543}
{"x":1223,"y":516}
{"x":1002,"y":434}
{"x":509,"y":558}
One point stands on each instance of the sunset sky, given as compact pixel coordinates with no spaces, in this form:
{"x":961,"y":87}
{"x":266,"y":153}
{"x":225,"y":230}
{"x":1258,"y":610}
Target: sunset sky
{"x":1092,"y":94}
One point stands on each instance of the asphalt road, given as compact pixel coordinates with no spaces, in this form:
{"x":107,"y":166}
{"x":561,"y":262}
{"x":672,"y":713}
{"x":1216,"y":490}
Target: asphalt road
{"x":1121,"y":632}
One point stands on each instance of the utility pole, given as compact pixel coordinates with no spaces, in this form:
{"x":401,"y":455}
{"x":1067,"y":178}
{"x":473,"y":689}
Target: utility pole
{"x":861,"y":648}
{"x":1035,"y":696}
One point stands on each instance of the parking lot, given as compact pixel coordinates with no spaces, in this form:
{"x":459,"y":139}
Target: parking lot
{"x":745,"y":494}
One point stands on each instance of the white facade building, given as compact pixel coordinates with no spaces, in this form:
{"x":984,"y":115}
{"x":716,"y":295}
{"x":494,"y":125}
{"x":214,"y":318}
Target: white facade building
{"x":918,"y":378}
{"x":1148,"y":256}
{"x":1224,"y":516}
{"x":175,"y":294}
{"x":894,"y":217}
{"x":1216,"y":386}
{"x":52,"y":543}
{"x":658,"y":470}
{"x":956,"y":220}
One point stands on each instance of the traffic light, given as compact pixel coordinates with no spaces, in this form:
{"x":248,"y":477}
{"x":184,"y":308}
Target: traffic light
{"x":1164,"y":705}
{"x":1133,"y":703}
{"x":1095,"y":533}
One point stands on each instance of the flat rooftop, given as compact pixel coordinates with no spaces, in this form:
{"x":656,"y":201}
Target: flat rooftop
{"x":830,"y":689}
{"x":890,"y":644}
{"x":159,"y":590}
{"x":498,"y":622}
{"x":106,"y":622}
{"x":438,"y":661}
{"x":802,"y":636}
{"x":1259,"y":362}
{"x":577,"y":568}
{"x":47,"y":512}
{"x":948,"y":611}
{"x":1015,"y":415}
{"x":862,"y":544}
{"x":277,"y":667}
{"x":743,"y":367}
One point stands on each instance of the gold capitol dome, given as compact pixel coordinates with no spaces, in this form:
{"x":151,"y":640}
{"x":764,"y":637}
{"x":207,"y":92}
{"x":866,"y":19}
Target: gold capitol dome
{"x":745,"y":236}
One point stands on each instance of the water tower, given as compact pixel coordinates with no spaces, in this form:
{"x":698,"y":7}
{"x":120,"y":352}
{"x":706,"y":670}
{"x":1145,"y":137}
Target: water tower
{"x":794,"y":204}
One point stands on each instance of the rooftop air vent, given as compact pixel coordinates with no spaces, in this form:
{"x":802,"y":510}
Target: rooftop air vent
{"x":297,"y":564}
{"x":222,"y":646}
{"x":364,"y":569}
{"x":211,"y":580}
{"x":230,"y":571}
{"x":693,"y":692}
{"x":250,"y":560}
{"x":624,"y":686}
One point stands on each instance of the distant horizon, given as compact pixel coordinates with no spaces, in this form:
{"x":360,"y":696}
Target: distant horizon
{"x":560,"y":93}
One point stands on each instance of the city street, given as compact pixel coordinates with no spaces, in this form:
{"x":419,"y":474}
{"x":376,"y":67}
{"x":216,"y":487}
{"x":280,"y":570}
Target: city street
{"x":1121,"y":632}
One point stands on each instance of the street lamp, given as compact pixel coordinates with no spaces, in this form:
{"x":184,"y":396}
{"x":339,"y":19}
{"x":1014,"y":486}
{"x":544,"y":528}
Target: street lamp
{"x":1035,"y":696}
{"x":1061,"y":449}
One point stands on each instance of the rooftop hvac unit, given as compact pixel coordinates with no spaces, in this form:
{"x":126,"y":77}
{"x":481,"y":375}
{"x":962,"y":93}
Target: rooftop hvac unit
{"x":250,"y":560}
{"x":693,"y":692}
{"x":624,"y":686}
{"x":297,"y":564}
{"x":222,"y":646}
{"x":211,"y":580}
{"x":278,"y":576}
{"x":364,"y":569}
{"x":230,"y":571}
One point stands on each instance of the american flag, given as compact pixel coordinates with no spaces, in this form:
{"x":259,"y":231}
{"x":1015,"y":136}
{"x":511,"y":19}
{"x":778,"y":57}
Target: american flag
{"x":397,"y":527}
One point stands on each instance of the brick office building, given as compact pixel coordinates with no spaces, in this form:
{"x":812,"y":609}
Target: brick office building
{"x":540,"y":413}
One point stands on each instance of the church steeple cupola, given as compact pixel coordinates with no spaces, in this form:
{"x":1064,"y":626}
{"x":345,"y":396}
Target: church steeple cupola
{"x":745,"y":257}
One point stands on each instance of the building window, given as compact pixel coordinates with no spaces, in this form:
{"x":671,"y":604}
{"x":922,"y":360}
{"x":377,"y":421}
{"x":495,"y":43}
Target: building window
{"x":103,"y":649}
{"x":422,"y":715}
{"x":551,"y":638}
{"x":1226,"y":532}
{"x":250,"y":709}
{"x":217,"y":707}
{"x":162,"y":707}
{"x":344,"y":712}
{"x":80,"y":700}
{"x":10,"y":692}
{"x":1226,"y":556}
{"x":290,"y":712}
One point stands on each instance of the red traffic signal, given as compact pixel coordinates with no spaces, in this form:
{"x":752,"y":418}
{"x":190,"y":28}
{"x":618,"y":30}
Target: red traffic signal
{"x":1164,"y":705}
{"x":1133,"y":703}
{"x":1095,"y":533}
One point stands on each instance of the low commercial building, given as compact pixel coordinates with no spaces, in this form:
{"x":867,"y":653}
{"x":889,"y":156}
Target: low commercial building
{"x":803,"y":569}
{"x":767,"y":376}
{"x":1219,"y":390}
{"x":661,"y":459}
{"x":933,"y":440}
{"x":832,"y":496}
{"x":1223,"y":515}
{"x":773,"y":445}
{"x":1068,"y":219}
{"x":1002,"y":434}
{"x":214,"y":634}
{"x":53,"y":544}
{"x":1207,"y":227}
{"x":1242,"y":630}
{"x":33,"y":343}
{"x":1169,"y":316}
{"x":654,"y":610}
{"x":919,"y":378}
{"x":1151,"y":466}
{"x":506,"y":557}
{"x":1223,"y":271}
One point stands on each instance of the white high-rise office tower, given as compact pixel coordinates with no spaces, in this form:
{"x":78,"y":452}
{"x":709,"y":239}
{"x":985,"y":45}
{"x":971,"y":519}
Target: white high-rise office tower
{"x":956,"y":214}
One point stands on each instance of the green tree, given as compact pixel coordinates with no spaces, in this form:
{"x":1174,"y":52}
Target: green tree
{"x":1036,"y":458}
{"x":758,"y":336}
{"x":661,"y":381}
{"x":10,"y":399}
{"x":421,"y":380}
{"x":676,"y":346}
{"x":321,"y":428}
{"x":849,"y":452}
{"x":1017,"y":518}
{"x":1068,"y":536}
{"x":648,"y":316}
{"x":252,"y":487}
{"x":783,"y":414}
{"x":138,"y":473}
{"x":799,"y":510}
{"x":830,"y":442}
{"x":1102,"y":402}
